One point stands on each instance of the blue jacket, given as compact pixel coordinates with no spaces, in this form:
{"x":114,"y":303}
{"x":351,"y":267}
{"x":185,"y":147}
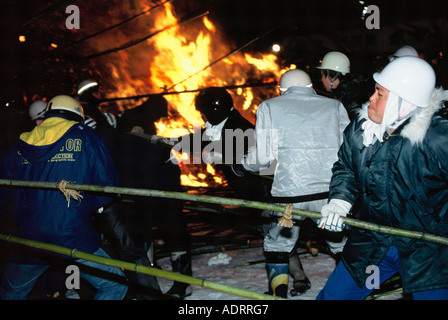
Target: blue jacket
{"x":57,"y":150}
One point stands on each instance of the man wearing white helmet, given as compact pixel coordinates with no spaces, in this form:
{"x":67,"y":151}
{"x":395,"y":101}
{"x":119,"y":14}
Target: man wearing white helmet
{"x":301,"y":132}
{"x":338,"y":80}
{"x":61,"y":148}
{"x":405,"y":51}
{"x":394,"y":161}
{"x":334,"y":66}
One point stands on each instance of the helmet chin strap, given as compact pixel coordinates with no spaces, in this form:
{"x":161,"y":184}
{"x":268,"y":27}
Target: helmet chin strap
{"x":396,"y":111}
{"x":332,"y":79}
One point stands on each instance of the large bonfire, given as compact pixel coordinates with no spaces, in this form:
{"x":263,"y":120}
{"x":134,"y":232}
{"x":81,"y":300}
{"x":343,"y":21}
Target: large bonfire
{"x":183,"y":52}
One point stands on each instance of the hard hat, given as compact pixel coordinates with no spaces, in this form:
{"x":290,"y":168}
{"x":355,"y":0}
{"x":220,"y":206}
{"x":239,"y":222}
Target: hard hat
{"x":404,"y":51}
{"x":37,"y":110}
{"x":294,"y":77}
{"x":86,"y":85}
{"x":336,"y":61}
{"x":215,"y":103}
{"x":410,"y":78}
{"x":67,"y":106}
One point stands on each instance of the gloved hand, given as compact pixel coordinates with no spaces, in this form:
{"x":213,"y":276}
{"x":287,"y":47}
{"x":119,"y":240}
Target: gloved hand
{"x":212,"y":157}
{"x":238,"y":170}
{"x":155,"y":139}
{"x":333,"y":214}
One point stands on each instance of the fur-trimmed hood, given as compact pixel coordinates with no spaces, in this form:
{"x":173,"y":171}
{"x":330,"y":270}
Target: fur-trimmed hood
{"x":415,"y":130}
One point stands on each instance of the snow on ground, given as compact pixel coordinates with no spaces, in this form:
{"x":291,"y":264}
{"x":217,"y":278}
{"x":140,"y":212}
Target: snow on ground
{"x":253,"y":276}
{"x":246,"y":268}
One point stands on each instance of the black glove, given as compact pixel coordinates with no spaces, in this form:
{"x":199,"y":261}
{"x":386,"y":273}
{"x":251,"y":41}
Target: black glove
{"x":239,"y":170}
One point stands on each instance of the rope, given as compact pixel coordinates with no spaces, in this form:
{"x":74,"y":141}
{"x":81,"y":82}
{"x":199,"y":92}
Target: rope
{"x":68,"y":193}
{"x":286,"y":219}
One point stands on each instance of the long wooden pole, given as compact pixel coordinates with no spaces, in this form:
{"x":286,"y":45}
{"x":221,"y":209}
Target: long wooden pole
{"x":138,"y":268}
{"x":229,"y":87}
{"x":226,"y":201}
{"x":140,"y":40}
{"x":118,"y":24}
{"x":224,"y":57}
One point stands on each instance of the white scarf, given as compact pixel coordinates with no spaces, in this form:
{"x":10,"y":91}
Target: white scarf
{"x":214,"y":132}
{"x":396,"y":112}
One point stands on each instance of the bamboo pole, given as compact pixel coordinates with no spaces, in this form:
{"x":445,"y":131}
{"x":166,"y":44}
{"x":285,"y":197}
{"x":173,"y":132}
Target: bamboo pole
{"x":228,"y":87}
{"x":382,"y":294}
{"x":48,"y":11}
{"x":224,"y":57}
{"x":118,"y":24}
{"x":391,"y":281}
{"x":227,"y":201}
{"x":139,"y":268}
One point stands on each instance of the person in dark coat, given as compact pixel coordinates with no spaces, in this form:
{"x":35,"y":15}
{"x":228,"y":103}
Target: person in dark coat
{"x":338,"y":80}
{"x":394,"y":159}
{"x":224,"y":140}
{"x":144,"y":116}
{"x":127,"y":224}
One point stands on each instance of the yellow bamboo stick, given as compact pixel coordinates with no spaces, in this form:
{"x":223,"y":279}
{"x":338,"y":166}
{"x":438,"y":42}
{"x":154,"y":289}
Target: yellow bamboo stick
{"x":225,"y":201}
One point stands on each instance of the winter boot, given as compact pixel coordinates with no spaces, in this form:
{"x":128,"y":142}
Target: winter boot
{"x":145,"y":286}
{"x":277,"y":268}
{"x":300,"y":282}
{"x":181,"y":263}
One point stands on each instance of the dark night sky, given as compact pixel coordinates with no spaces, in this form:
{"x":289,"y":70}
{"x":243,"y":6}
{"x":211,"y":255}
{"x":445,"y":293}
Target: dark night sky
{"x":241,"y":20}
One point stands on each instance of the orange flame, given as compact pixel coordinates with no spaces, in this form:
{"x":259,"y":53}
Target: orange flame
{"x":180,"y":58}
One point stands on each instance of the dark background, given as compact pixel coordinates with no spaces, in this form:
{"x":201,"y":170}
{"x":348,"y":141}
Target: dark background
{"x":306,"y":30}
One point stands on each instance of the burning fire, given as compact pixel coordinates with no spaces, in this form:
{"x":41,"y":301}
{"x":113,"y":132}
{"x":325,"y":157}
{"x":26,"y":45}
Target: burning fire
{"x":189,"y":56}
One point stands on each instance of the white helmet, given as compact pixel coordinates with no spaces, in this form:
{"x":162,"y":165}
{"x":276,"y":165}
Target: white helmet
{"x":405,"y":51}
{"x":410,"y":78}
{"x":294,"y":77}
{"x":37,"y":110}
{"x":86,"y":85}
{"x":336,"y":61}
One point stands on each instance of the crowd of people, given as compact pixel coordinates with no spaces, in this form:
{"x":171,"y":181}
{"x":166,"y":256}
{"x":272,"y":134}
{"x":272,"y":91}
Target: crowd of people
{"x":374,"y":147}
